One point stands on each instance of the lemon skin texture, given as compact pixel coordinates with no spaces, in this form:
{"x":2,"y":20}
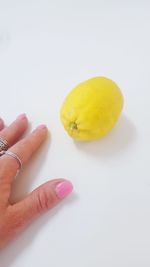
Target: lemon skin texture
{"x":92,"y":109}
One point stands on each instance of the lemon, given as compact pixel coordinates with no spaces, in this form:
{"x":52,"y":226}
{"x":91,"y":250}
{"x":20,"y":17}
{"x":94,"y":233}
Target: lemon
{"x":92,"y":109}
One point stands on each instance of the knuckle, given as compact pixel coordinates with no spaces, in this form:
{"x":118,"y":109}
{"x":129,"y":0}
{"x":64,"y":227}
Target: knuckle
{"x":31,"y":144}
{"x":44,"y":201}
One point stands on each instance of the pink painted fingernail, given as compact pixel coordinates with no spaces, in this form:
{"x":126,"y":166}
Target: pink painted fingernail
{"x":21,"y":116}
{"x":64,"y":189}
{"x":42,"y":126}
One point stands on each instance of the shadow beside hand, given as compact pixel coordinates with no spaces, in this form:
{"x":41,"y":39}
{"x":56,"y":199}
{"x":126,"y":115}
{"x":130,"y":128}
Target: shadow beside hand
{"x":24,"y":180}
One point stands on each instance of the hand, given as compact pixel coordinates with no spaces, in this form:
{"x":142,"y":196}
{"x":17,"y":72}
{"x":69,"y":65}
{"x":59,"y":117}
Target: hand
{"x":14,"y":217}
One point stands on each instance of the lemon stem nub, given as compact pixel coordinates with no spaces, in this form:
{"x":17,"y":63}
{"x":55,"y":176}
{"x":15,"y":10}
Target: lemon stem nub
{"x":73,"y":126}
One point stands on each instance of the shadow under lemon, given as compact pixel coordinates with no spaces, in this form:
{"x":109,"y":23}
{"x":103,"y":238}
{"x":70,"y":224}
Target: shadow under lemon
{"x":116,"y":141}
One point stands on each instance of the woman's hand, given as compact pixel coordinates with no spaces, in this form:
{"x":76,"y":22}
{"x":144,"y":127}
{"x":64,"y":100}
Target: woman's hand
{"x":14,"y":217}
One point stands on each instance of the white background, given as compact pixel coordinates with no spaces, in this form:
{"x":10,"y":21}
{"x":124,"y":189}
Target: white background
{"x":46,"y":48}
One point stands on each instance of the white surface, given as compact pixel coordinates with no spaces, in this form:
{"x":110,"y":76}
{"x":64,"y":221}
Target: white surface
{"x":46,"y":48}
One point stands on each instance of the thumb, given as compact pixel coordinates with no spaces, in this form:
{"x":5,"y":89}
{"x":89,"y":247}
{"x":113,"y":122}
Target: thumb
{"x":42,"y":199}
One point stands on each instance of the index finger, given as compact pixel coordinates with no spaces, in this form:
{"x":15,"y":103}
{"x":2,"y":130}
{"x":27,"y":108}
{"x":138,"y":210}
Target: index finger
{"x":24,"y":149}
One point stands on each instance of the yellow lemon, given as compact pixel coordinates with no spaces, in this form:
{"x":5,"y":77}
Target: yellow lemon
{"x":92,"y":109}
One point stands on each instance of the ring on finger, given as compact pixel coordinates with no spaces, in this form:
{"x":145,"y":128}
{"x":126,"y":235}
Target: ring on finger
{"x":3,"y":144}
{"x":14,"y":156}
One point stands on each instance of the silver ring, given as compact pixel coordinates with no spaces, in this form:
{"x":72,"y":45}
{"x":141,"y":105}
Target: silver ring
{"x":3,"y":144}
{"x":13,"y":155}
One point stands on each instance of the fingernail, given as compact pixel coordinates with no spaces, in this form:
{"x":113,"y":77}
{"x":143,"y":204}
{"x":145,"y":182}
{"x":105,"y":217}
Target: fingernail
{"x":42,"y":126}
{"x":64,"y":189}
{"x":21,"y":116}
